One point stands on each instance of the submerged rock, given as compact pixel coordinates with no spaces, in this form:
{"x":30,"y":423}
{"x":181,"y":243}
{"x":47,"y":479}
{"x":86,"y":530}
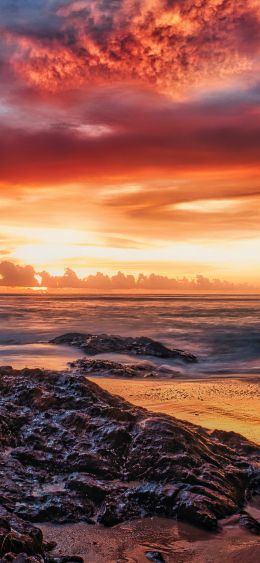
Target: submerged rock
{"x":92,"y":344}
{"x":70,"y":451}
{"x":107,"y":368}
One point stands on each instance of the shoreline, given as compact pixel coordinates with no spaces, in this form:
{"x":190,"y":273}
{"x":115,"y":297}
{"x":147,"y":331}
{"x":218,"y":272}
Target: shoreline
{"x":40,"y":290}
{"x":177,"y":542}
{"x":229,"y":404}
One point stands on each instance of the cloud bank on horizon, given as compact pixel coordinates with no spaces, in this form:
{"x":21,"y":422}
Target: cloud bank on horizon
{"x":135,"y":122}
{"x":14,"y":275}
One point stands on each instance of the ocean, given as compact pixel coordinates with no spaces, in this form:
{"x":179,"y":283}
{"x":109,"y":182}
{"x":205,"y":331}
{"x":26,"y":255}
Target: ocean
{"x":222,"y":330}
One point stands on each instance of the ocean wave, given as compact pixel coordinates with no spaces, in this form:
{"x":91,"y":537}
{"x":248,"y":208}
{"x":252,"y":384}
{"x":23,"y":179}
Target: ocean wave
{"x":224,"y":332}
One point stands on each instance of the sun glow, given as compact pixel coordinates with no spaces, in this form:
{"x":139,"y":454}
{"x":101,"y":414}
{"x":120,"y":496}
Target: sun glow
{"x":130,"y":139}
{"x":229,"y":257}
{"x":209,"y":205}
{"x":39,"y":289}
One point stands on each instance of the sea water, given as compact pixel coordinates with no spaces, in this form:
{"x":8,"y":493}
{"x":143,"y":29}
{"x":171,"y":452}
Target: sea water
{"x":223,"y":331}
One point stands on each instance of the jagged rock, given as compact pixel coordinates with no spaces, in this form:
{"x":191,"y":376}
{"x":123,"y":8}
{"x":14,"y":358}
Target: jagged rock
{"x":21,"y":542}
{"x":18,"y":537}
{"x":70,"y":451}
{"x":58,"y":508}
{"x":250,"y":523}
{"x":107,"y":368}
{"x":21,"y":558}
{"x":237,"y":442}
{"x":92,"y":344}
{"x":93,"y":488}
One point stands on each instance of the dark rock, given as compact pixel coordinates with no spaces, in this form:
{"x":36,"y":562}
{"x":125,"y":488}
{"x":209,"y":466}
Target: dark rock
{"x":92,"y":344}
{"x":21,"y":558}
{"x":195,"y":509}
{"x":66,"y":559}
{"x":237,"y":442}
{"x":21,"y":542}
{"x":70,"y":451}
{"x":49,"y":546}
{"x":18,"y":537}
{"x":59,"y":508}
{"x":87,"y":485}
{"x":155,"y":556}
{"x":250,"y":523}
{"x":106,"y":368}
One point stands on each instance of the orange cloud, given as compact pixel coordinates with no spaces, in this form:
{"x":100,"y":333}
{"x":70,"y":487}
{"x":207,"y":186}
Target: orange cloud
{"x":17,"y":276}
{"x":13,"y":275}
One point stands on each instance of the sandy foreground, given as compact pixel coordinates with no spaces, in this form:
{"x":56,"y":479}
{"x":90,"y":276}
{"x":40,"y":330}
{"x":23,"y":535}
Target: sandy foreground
{"x":177,"y":542}
{"x":215,"y":403}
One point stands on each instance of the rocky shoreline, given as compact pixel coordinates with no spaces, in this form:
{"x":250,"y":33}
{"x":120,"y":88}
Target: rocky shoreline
{"x":71,"y":452}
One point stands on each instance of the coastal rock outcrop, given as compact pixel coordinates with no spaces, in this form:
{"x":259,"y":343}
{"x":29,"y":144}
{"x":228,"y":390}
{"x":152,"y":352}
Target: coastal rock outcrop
{"x":17,"y":537}
{"x":93,"y":344}
{"x":21,"y":542}
{"x":70,"y":451}
{"x":107,"y":368}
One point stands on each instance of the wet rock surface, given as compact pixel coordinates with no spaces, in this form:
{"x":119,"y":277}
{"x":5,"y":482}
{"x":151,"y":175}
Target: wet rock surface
{"x":21,"y":542}
{"x":155,"y":556}
{"x":70,"y":451}
{"x":250,"y":523}
{"x":107,"y":368}
{"x":93,"y":344}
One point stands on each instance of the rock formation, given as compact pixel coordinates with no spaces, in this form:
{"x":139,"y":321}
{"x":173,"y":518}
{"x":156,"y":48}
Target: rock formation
{"x":92,"y":344}
{"x":107,"y":368}
{"x":71,"y":451}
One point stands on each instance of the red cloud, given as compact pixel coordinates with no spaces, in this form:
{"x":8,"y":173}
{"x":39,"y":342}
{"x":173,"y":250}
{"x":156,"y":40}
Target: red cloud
{"x":143,"y":141}
{"x":169,"y":45}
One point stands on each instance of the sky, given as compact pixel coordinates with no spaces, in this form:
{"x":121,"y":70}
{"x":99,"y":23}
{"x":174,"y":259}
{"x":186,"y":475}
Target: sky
{"x":130,"y":137}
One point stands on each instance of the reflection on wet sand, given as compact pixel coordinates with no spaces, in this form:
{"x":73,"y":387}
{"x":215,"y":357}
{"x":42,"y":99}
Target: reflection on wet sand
{"x":41,"y":355}
{"x":177,"y":542}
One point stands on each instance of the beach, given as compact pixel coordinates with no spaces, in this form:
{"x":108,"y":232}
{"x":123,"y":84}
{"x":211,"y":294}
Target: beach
{"x":230,"y":404}
{"x":176,"y":542}
{"x":213,"y":384}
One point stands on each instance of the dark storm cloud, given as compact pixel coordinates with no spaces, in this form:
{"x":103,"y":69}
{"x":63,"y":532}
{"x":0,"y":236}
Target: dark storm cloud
{"x":27,"y":16}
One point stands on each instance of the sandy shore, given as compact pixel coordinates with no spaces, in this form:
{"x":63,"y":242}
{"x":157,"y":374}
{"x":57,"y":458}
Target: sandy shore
{"x":177,"y":542}
{"x":215,"y":403}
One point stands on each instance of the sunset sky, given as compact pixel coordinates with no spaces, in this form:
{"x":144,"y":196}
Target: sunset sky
{"x":130,"y":136}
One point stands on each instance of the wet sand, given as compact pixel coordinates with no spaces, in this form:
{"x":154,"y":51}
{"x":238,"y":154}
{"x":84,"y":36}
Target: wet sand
{"x":177,"y":542}
{"x":40,"y":355}
{"x":215,"y":403}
